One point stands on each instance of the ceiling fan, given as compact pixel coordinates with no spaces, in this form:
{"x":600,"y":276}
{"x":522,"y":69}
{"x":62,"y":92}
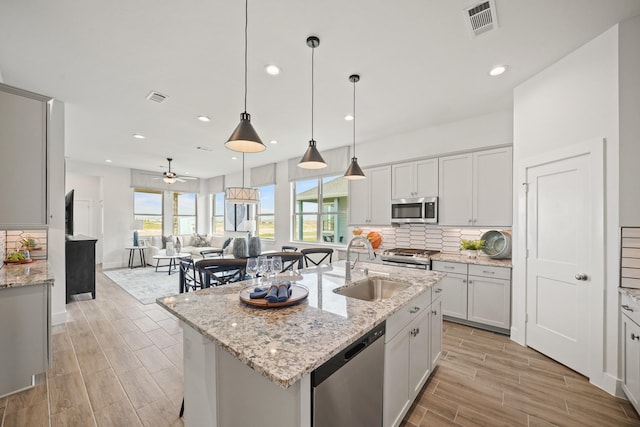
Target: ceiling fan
{"x":170,"y":177}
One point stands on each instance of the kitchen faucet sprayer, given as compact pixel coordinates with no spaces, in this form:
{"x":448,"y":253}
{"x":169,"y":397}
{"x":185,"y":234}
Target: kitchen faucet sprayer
{"x":367,"y":244}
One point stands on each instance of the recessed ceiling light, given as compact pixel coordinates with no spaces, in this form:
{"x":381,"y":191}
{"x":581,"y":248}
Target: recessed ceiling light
{"x":204,"y":119}
{"x":273,"y":141}
{"x":272,"y":70}
{"x":234,"y":158}
{"x":108,"y":161}
{"x":496,"y":71}
{"x":348,"y":117}
{"x":138,"y":136}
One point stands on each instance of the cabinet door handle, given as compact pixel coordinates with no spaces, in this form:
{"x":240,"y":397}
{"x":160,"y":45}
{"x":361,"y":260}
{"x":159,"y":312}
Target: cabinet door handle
{"x":414,"y":310}
{"x":635,"y":337}
{"x":470,"y":281}
{"x":464,"y":280}
{"x":488,"y":272}
{"x":434,"y":312}
{"x":470,"y":221}
{"x":449,"y":267}
{"x":626,"y":307}
{"x":438,"y":290}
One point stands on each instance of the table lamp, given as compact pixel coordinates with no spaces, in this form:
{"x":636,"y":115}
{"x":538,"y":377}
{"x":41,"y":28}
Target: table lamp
{"x":137,"y":225}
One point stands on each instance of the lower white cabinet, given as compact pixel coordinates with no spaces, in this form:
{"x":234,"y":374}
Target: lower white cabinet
{"x":413,"y":343}
{"x":480,"y":294}
{"x":630,"y":343}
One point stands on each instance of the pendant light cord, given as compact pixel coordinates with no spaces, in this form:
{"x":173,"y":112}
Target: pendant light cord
{"x":242,"y":169}
{"x":246,"y":25}
{"x":313,"y":51}
{"x":354,"y":119}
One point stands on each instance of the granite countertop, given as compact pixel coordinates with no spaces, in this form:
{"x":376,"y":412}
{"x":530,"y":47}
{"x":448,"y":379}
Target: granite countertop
{"x":33,"y":273}
{"x":631,"y":292}
{"x":480,"y":260}
{"x":284,"y":344}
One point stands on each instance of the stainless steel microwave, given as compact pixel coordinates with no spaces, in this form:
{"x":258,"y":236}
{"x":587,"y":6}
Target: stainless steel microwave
{"x":422,"y":210}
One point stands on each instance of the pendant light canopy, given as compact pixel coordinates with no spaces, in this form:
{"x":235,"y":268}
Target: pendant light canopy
{"x":312,"y":158}
{"x":244,"y":138}
{"x":354,"y":171}
{"x":242,"y":195}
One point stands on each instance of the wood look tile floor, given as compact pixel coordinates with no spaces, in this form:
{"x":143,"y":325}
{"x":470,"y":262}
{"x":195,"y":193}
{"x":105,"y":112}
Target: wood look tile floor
{"x":117,"y":362}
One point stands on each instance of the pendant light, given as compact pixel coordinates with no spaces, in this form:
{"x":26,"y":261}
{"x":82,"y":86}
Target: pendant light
{"x":312,"y":158}
{"x":244,"y":138}
{"x":354,"y":171}
{"x":242,"y":195}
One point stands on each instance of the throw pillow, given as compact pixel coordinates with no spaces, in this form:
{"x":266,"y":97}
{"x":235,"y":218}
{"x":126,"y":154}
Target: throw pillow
{"x":166,"y":239}
{"x":199,"y":241}
{"x":228,"y":247}
{"x":226,"y":243}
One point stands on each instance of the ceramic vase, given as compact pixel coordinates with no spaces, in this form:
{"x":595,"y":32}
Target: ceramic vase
{"x":240,"y":248}
{"x":254,"y":246}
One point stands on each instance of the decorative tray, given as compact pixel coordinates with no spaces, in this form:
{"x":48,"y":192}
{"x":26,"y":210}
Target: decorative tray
{"x":18,"y":261}
{"x":298,"y":294}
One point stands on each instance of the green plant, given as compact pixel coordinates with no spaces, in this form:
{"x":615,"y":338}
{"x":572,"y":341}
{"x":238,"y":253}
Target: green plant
{"x":473,"y":245}
{"x":28,"y":242}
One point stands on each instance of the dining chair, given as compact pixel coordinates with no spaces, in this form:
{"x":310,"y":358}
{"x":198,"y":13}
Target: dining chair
{"x":211,"y":253}
{"x":286,"y":248}
{"x":190,"y":279}
{"x":315,"y":256}
{"x":220,"y":271}
{"x":289,"y":259}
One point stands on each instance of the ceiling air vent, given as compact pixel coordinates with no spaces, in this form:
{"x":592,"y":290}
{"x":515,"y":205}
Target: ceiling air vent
{"x":204,"y":148}
{"x":156,"y":97}
{"x":481,"y":17}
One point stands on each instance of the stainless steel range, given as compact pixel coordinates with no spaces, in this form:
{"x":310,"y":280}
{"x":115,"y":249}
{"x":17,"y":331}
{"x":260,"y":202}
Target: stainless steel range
{"x":408,"y":257}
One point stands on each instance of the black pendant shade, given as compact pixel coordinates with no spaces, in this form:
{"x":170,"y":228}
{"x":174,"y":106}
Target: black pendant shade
{"x":312,"y":158}
{"x":244,"y":138}
{"x":354,"y":171}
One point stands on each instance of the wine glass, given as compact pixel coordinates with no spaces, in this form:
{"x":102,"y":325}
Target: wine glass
{"x":252,"y":267}
{"x":276,"y":264}
{"x":262,"y":265}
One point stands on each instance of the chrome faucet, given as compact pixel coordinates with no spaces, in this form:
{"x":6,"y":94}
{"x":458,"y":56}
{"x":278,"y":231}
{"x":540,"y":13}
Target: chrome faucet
{"x":367,"y":244}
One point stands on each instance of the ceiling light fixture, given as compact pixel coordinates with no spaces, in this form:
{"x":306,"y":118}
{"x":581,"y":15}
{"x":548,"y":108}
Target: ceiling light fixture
{"x":272,"y":70}
{"x":204,"y":119}
{"x":138,"y":136}
{"x":497,"y":70}
{"x":348,"y":117}
{"x":354,"y":171}
{"x":312,"y":158}
{"x":108,"y":161}
{"x":244,"y":138}
{"x":273,"y":141}
{"x":242,"y":195}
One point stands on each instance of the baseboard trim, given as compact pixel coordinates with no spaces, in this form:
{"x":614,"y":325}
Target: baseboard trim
{"x":59,"y":318}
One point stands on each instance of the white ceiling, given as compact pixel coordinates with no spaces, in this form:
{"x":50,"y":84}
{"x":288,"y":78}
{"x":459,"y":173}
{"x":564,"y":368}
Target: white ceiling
{"x":418,"y":65}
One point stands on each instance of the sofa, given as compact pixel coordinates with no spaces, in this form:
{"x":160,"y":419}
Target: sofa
{"x":190,"y":243}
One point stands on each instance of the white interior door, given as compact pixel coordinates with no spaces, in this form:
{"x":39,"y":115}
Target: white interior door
{"x":560,"y":235}
{"x":82,"y":218}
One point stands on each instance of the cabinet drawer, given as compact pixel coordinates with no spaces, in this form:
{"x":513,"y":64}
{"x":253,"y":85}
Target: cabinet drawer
{"x":630,"y":308}
{"x":489,"y":271}
{"x":406,"y":314}
{"x":449,"y":267}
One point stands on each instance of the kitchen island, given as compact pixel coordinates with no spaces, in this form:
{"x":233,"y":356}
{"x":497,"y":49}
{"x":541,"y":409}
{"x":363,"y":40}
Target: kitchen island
{"x":25,"y":316}
{"x":250,"y":366}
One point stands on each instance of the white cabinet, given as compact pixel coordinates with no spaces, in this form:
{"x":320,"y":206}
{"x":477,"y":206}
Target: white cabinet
{"x":476,"y":188}
{"x":370,"y":198}
{"x":476,"y":293}
{"x":630,"y":349}
{"x":412,"y":346}
{"x":414,"y":179}
{"x":23,"y":158}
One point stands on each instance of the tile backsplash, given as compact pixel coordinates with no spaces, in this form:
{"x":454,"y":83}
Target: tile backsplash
{"x":10,"y":241}
{"x":420,"y":236}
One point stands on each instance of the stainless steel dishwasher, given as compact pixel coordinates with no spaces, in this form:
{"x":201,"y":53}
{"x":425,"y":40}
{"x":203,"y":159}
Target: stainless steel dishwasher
{"x":347,"y":389}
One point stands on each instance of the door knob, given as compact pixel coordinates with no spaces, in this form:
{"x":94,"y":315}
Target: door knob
{"x":581,"y":276}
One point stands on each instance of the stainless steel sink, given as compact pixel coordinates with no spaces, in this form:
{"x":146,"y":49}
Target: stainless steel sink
{"x":372,"y":289}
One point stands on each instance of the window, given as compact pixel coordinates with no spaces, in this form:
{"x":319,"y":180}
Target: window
{"x":265,"y":217}
{"x":184,"y":213}
{"x":147,"y":207}
{"x":325,"y":221}
{"x":217,"y":213}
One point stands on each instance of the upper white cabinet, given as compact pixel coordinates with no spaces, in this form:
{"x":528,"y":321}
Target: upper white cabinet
{"x":23,"y":158}
{"x":370,"y":198}
{"x":414,"y":179}
{"x":476,"y":188}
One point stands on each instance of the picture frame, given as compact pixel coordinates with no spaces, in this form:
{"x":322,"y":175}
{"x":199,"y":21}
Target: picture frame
{"x":235,"y":216}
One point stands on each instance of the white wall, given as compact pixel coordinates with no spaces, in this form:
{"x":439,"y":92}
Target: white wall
{"x":117,"y":197}
{"x":89,"y":188}
{"x":629,"y":122}
{"x":573,"y":100}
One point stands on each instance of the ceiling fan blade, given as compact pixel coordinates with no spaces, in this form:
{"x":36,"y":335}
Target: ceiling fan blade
{"x":188,"y":177}
{"x":180,"y":180}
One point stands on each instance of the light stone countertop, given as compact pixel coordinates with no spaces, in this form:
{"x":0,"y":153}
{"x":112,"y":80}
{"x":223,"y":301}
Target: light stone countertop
{"x":33,"y":273}
{"x":480,"y":260}
{"x":631,"y":292}
{"x":284,"y":344}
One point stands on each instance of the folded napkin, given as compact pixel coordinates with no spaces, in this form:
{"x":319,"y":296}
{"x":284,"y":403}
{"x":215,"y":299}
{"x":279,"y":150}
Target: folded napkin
{"x":284,"y":292}
{"x":258,"y":293}
{"x":279,"y":291}
{"x":272,"y":294}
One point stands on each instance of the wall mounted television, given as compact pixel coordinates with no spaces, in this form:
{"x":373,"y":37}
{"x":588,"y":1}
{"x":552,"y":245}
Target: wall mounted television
{"x":68,"y":213}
